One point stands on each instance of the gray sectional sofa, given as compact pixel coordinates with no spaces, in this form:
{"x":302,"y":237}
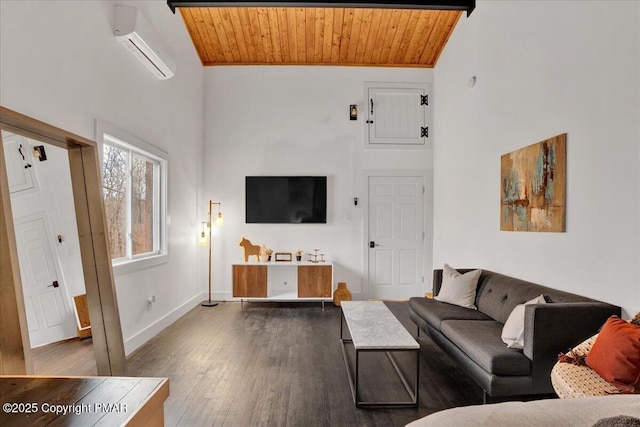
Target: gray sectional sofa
{"x":473,"y":337}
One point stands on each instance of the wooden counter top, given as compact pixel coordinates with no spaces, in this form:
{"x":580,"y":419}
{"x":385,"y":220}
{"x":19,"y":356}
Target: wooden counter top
{"x":82,"y":401}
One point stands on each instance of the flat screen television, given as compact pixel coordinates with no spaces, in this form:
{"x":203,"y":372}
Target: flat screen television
{"x":286,"y":199}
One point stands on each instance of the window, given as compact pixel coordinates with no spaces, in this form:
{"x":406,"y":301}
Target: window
{"x":133,"y":186}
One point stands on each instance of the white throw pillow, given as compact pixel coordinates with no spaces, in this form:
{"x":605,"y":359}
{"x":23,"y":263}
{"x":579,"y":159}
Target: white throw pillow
{"x":459,"y":289}
{"x":513,"y":330}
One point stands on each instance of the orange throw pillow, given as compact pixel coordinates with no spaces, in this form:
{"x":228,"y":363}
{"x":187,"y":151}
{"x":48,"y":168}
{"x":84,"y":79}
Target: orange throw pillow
{"x":615,"y":355}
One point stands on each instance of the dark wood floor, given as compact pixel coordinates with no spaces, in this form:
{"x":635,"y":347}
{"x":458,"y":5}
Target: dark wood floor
{"x":271,"y":365}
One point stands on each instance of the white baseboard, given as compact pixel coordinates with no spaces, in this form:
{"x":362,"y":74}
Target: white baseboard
{"x":220,"y":296}
{"x":155,"y":328}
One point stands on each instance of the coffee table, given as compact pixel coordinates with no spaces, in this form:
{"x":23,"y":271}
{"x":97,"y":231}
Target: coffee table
{"x":373,"y":328}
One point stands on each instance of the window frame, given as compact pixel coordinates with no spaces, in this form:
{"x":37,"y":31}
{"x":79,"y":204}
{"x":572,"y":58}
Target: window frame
{"x":113,"y":136}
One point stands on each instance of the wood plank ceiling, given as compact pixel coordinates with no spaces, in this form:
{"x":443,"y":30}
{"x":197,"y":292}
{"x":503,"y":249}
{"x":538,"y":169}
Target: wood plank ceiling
{"x":319,"y":36}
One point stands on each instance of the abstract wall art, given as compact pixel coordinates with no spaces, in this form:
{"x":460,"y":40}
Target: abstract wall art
{"x":533,"y":187}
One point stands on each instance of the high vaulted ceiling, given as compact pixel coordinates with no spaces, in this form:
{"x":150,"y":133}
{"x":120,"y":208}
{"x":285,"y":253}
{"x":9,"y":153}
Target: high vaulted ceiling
{"x":319,"y":36}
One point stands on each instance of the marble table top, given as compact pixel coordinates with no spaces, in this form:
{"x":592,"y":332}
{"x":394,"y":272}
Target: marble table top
{"x":372,"y":326}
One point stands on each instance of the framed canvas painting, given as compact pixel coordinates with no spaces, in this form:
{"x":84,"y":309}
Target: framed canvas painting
{"x":533,"y":181}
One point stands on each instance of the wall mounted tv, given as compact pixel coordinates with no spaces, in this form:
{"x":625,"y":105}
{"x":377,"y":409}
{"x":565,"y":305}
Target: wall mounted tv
{"x":286,"y":199}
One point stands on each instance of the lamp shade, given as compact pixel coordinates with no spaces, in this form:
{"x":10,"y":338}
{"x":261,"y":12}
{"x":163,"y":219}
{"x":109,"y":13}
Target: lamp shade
{"x":219,"y":220}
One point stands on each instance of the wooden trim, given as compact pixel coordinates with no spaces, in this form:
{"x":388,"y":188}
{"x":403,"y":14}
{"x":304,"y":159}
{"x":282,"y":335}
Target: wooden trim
{"x":31,"y":128}
{"x":15,"y":350}
{"x":96,"y":261}
{"x":386,"y":65}
{"x":151,"y":411}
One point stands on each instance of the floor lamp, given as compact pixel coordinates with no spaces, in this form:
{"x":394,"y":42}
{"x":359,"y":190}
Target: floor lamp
{"x":204,"y":241}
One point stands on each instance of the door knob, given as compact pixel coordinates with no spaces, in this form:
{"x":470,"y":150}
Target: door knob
{"x":54,"y":284}
{"x":373,"y":244}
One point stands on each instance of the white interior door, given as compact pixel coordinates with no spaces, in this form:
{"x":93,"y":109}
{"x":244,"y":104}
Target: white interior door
{"x":49,"y":317}
{"x":396,"y":236}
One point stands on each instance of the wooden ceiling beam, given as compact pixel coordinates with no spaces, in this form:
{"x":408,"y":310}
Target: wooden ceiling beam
{"x":465,"y":5}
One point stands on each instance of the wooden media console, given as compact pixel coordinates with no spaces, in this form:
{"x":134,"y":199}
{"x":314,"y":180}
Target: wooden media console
{"x":283,"y":281}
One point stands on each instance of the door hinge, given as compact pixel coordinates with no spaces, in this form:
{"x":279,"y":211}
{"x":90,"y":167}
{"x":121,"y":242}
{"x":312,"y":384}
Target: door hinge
{"x":424,"y":99}
{"x":424,"y":132}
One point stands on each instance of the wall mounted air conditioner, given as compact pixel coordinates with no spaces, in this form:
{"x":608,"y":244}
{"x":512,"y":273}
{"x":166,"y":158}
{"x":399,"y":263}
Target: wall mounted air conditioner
{"x":136,"y":34}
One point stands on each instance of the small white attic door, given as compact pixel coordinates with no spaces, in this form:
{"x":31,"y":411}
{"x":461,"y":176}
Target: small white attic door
{"x":398,"y":115}
{"x":19,"y":161}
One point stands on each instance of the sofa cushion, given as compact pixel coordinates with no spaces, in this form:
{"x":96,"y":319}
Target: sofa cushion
{"x":481,"y":341}
{"x":458,"y":288}
{"x":434,"y":312}
{"x":498,"y":295}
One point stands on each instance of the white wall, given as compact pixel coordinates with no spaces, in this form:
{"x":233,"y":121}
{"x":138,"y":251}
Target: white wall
{"x":295,"y":121}
{"x":61,"y":64}
{"x":543,"y":68}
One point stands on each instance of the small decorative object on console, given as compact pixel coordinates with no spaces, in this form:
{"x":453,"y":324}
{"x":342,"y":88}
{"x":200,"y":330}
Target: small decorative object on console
{"x":283,"y":256}
{"x":315,"y":255}
{"x":263,"y":253}
{"x":299,"y":255}
{"x":249,"y":249}
{"x":341,"y":294}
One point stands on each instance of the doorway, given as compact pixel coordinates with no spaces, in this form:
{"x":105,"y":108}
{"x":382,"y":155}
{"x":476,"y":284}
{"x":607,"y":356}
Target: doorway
{"x":15,"y":352}
{"x":398,"y":233}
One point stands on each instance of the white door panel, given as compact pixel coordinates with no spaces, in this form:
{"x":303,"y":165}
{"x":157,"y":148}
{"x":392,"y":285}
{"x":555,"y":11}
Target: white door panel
{"x":396,"y":228}
{"x":384,"y":217}
{"x":384,"y":267}
{"x":408,"y":221}
{"x":49,"y":316}
{"x":32,"y":319}
{"x":408,"y":267}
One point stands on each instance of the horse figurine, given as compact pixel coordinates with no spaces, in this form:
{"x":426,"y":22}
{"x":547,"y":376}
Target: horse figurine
{"x":249,"y":249}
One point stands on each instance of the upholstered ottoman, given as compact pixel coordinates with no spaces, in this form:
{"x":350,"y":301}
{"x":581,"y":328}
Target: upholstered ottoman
{"x":571,"y":380}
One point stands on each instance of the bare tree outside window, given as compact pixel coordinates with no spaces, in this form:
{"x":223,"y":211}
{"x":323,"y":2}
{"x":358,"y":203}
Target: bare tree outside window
{"x":130,"y":186}
{"x":142,"y":197}
{"x":114,"y":186}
